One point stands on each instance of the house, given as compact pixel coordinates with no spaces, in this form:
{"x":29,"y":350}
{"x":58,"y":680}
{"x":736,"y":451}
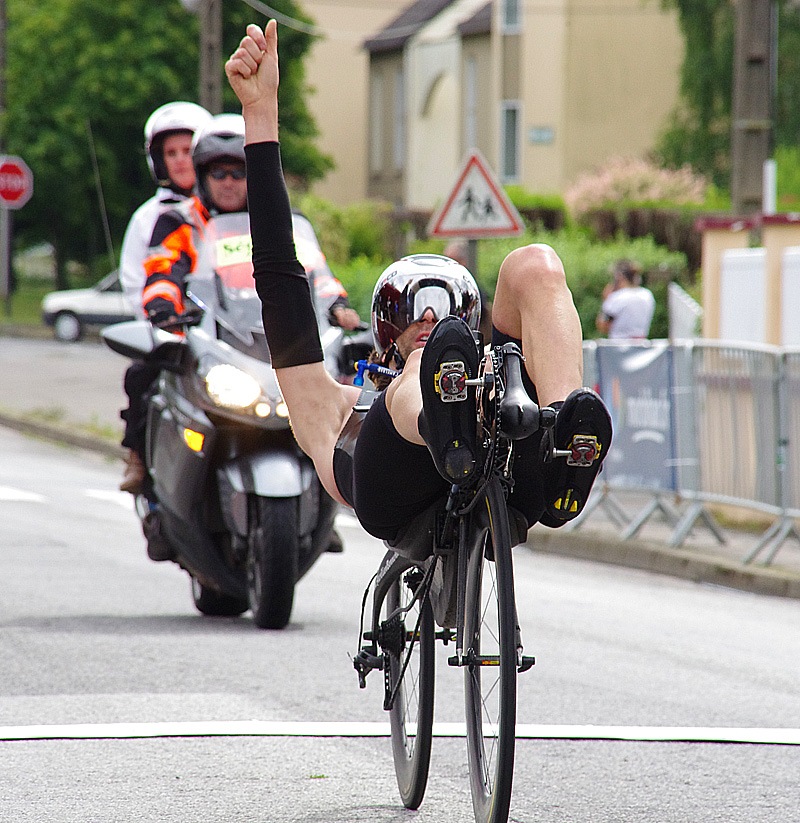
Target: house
{"x":545,"y":89}
{"x":337,"y":68}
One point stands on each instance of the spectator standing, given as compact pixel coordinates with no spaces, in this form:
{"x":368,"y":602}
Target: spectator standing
{"x":628,"y":306}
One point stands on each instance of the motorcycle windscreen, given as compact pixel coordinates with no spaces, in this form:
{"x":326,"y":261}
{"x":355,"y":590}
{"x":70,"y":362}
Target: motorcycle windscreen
{"x":223,"y":279}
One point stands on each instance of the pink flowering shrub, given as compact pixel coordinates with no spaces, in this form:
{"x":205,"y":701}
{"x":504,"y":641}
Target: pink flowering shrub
{"x":624,"y":181}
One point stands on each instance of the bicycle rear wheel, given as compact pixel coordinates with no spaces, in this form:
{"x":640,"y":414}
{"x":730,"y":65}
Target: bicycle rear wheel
{"x":490,"y":644}
{"x":408,"y":642}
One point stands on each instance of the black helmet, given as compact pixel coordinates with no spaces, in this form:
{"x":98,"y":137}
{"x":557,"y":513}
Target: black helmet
{"x":171,"y":118}
{"x":416,"y":283}
{"x":220,"y":139}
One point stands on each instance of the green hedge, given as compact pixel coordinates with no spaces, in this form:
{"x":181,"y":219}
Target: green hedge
{"x":587,"y":263}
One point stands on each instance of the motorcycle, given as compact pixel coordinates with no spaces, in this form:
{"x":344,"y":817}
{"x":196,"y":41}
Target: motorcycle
{"x":229,"y":494}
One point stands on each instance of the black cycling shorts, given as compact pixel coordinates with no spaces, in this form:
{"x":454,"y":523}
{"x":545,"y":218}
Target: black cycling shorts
{"x":394,"y":481}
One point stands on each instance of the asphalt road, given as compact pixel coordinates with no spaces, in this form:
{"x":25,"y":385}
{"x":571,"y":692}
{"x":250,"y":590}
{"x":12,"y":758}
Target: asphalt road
{"x":93,"y":635}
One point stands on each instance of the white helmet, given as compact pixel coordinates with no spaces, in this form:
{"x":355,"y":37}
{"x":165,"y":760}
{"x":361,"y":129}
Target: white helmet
{"x":221,"y":138}
{"x":168,"y":119}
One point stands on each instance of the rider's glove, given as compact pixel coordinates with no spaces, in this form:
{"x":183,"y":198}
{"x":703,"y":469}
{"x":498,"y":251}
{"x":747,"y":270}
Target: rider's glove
{"x":161,"y":312}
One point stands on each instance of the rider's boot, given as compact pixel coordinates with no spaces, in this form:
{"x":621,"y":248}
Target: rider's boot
{"x":583,"y":427}
{"x":448,"y":421}
{"x":133,"y":479}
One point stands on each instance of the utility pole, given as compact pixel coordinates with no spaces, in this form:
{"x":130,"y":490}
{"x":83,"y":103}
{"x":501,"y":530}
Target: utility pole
{"x":754,"y":75}
{"x":210,"y":19}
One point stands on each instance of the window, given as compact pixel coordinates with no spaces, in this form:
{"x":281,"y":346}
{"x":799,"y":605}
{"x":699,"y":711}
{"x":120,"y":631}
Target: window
{"x":511,"y":22}
{"x":399,"y":121}
{"x":471,"y":103}
{"x":509,"y":141}
{"x":376,"y":122}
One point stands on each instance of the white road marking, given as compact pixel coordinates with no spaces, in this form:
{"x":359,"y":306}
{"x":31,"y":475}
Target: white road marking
{"x":119,"y":498}
{"x":18,"y":496}
{"x":347,"y":519}
{"x":268,"y":728}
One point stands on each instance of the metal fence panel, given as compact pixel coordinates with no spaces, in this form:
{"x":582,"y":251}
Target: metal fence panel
{"x":789,"y":455}
{"x":736,"y":417}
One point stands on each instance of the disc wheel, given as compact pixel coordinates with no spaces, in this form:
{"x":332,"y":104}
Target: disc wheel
{"x":408,"y":641}
{"x":272,"y":560}
{"x":490,"y":643}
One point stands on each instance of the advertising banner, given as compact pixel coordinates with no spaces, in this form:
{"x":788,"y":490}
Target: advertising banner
{"x":635,"y":382}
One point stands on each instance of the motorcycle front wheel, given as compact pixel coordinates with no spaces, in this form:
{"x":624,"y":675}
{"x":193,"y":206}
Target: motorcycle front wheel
{"x":272,"y":560}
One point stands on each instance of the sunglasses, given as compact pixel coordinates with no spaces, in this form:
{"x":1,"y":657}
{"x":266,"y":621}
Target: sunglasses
{"x":221,"y":174}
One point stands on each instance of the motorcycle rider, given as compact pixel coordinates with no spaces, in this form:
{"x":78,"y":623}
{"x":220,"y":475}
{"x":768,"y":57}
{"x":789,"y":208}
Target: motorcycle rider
{"x":218,"y":157}
{"x":411,"y":448}
{"x":168,"y":136}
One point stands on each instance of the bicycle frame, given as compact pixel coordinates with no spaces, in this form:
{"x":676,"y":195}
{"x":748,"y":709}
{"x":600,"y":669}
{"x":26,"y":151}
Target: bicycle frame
{"x":473,"y":537}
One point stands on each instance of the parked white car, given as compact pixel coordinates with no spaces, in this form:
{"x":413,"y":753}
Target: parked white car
{"x":71,"y":312}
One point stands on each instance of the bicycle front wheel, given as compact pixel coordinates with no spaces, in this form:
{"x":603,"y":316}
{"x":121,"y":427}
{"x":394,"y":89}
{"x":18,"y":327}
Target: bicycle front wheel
{"x":490,"y":644}
{"x":408,"y":638}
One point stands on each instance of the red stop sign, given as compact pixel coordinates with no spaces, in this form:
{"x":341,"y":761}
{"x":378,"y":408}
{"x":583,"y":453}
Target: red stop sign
{"x":16,"y":182}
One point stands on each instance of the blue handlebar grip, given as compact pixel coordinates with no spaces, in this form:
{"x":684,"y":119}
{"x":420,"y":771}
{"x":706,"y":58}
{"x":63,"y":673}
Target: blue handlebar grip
{"x":361,"y":366}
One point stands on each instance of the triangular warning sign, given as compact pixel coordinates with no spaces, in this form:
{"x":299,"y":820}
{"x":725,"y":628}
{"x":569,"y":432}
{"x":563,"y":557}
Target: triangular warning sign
{"x":477,"y":206}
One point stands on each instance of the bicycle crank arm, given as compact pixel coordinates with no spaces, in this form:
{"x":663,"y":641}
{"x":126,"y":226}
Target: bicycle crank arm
{"x":525,"y":662}
{"x":461,"y":660}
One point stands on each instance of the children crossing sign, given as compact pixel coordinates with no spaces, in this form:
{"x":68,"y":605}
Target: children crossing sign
{"x":477,"y":206}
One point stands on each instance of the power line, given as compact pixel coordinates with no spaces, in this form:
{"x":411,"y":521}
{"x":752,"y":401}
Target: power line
{"x":531,"y":7}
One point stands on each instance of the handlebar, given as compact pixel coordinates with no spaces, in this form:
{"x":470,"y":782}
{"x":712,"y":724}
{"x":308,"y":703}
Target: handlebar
{"x":188,"y":318}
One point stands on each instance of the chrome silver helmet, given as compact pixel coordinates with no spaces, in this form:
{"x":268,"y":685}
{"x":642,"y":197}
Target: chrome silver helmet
{"x":414,"y":284}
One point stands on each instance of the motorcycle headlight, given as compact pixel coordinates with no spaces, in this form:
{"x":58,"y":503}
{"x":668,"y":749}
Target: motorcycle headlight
{"x":231,"y":388}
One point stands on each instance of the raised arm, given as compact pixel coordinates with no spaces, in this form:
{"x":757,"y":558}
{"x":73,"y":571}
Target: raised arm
{"x":318,"y":405}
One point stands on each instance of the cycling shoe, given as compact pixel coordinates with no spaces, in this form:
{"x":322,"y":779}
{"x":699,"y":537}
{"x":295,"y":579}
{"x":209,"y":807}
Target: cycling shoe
{"x":583,"y":426}
{"x":448,"y":421}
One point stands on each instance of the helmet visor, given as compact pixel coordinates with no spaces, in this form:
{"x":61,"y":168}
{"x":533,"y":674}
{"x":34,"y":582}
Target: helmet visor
{"x":434,"y":298}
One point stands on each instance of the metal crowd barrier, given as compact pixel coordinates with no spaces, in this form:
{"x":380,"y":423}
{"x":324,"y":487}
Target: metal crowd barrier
{"x":698,"y":423}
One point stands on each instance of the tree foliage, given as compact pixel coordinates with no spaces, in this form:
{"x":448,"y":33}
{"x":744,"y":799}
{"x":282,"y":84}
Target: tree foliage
{"x":700,"y":129}
{"x":82,"y":77}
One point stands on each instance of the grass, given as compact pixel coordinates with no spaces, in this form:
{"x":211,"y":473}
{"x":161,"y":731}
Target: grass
{"x":25,"y":306}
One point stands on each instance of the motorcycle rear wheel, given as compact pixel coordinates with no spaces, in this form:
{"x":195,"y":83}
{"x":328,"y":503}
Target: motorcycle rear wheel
{"x":215,"y":604}
{"x":272,"y":560}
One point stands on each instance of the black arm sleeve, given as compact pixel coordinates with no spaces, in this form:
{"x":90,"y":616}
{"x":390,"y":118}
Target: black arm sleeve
{"x":281,"y":282}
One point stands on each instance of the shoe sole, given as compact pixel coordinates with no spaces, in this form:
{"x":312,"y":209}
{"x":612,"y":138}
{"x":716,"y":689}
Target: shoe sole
{"x":575,"y":477}
{"x":450,"y":432}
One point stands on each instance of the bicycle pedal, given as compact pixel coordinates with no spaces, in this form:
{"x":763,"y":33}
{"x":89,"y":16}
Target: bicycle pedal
{"x":583,"y":450}
{"x":445,"y":635}
{"x":526,"y":663}
{"x":450,"y":381}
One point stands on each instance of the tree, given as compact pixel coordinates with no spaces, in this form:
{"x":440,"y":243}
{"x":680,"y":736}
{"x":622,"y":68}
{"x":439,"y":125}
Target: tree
{"x":699,"y":132}
{"x":87,"y":73}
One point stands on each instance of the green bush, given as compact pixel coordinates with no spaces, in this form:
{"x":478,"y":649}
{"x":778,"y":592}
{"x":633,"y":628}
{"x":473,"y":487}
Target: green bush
{"x":359,"y":230}
{"x":587,"y":263}
{"x":358,"y":276}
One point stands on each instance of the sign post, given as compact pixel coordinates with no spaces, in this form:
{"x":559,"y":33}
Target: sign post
{"x":16,"y":189}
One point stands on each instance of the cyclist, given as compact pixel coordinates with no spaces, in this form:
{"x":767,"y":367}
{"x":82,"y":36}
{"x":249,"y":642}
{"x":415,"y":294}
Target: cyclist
{"x":410,"y":447}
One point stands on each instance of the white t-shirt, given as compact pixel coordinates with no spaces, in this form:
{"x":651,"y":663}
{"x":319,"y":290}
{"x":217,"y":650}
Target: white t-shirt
{"x":630,"y":311}
{"x":136,"y":243}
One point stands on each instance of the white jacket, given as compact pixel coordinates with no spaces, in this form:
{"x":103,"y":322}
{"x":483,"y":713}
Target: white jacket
{"x":136,"y":243}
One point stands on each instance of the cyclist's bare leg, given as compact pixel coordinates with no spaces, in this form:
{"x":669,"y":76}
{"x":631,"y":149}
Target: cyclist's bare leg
{"x":404,"y":400}
{"x":534,"y":304}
